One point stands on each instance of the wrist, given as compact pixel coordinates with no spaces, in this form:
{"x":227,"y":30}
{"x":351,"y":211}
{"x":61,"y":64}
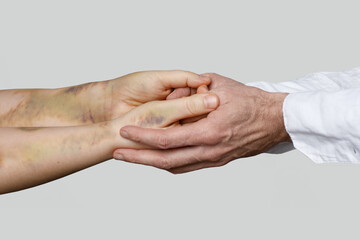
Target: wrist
{"x":115,"y":105}
{"x":116,"y":140}
{"x":98,"y":97}
{"x":275,"y":111}
{"x":110,"y":132}
{"x":107,"y":95}
{"x":84,"y":103}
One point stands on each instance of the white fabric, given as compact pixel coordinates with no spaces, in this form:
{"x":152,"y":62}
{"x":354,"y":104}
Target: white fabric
{"x":322,"y":115}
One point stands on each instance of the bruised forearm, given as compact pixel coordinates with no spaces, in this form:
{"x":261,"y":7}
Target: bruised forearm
{"x":70,"y":106}
{"x":32,"y":156}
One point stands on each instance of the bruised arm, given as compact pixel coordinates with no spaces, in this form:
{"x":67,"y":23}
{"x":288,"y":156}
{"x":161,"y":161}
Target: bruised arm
{"x":91,"y":102}
{"x":32,"y":156}
{"x":76,"y":105}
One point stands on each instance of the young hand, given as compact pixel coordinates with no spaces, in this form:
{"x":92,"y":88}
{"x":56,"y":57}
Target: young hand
{"x":127,"y":92}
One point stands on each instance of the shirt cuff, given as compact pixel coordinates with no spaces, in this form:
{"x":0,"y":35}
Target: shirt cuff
{"x":322,"y":125}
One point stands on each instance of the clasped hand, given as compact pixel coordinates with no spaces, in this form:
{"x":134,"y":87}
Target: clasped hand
{"x":174,"y":120}
{"x":138,"y":99}
{"x":247,"y":122}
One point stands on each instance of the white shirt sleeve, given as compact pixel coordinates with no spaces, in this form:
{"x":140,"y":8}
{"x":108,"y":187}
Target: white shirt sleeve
{"x":325,"y":125}
{"x":325,"y":81}
{"x":314,"y":81}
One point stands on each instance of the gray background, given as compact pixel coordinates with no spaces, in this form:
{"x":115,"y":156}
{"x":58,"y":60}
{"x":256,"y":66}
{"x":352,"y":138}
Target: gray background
{"x":61,"y":43}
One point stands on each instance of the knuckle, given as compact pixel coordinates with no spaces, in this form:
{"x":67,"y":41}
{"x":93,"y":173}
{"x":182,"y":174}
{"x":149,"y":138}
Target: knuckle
{"x":221,"y":155}
{"x":217,"y":135}
{"x":213,"y":156}
{"x":216,"y":156}
{"x":213,"y":137}
{"x":196,"y":158}
{"x":226,"y":136}
{"x":206,"y":155}
{"x":163,"y":163}
{"x":162,"y":141}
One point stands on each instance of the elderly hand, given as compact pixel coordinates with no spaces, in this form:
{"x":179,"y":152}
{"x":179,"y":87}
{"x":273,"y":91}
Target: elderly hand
{"x":248,"y":121}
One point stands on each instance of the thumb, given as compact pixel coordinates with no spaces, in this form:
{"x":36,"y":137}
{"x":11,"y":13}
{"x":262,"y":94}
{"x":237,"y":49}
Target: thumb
{"x":171,"y":111}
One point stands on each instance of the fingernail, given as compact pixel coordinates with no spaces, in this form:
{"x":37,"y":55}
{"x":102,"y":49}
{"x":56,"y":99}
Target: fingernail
{"x":118,"y":156}
{"x":211,"y":101}
{"x":124,"y":133}
{"x":204,"y":78}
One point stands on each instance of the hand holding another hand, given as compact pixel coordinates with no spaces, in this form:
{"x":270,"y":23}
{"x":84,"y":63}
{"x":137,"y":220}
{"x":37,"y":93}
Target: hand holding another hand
{"x":248,"y":121}
{"x":130,"y":91}
{"x":163,"y":115}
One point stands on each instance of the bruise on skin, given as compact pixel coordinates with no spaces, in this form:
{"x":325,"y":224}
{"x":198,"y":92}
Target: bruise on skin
{"x":152,"y":120}
{"x":154,"y":116}
{"x":35,"y":151}
{"x":77,"y":89}
{"x":70,"y":144}
{"x":87,"y":117}
{"x":64,"y":106}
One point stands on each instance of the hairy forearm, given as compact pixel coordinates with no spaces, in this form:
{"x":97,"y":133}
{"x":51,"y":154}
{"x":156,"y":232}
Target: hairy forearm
{"x":32,"y":156}
{"x":70,"y":106}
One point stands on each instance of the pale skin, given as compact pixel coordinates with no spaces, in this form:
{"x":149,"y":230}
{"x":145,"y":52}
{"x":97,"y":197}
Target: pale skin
{"x":91,"y":102}
{"x":46,"y":134}
{"x":249,"y":121}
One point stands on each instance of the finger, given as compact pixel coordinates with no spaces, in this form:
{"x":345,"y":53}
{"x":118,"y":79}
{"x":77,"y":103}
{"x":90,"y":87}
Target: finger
{"x":142,"y":156}
{"x":179,"y":79}
{"x":179,"y":136}
{"x":165,"y":159}
{"x":202,"y":89}
{"x":179,"y":93}
{"x":167,"y":112}
{"x":197,"y":133}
